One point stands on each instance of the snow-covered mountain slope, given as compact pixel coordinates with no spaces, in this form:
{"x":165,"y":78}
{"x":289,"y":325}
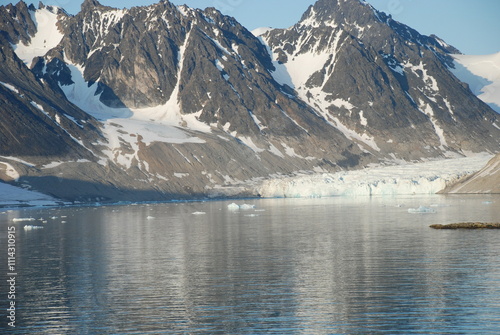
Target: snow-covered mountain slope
{"x":482,"y":74}
{"x":419,"y":178}
{"x":163,"y":101}
{"x":384,"y":85}
{"x":47,"y":36}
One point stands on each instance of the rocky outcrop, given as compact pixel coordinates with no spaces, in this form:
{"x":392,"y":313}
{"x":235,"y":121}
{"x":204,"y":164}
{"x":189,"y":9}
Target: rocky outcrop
{"x":467,"y":225}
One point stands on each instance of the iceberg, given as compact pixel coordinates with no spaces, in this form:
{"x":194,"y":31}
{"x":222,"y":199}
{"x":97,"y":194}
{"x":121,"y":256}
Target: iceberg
{"x":31,"y":227}
{"x":233,"y":207}
{"x":247,"y":207}
{"x":421,"y":209}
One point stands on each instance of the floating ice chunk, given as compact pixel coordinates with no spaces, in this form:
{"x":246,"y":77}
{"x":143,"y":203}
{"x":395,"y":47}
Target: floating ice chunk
{"x":247,"y":207}
{"x":150,"y":218}
{"x":23,"y":219}
{"x":252,"y":215}
{"x":421,"y":209}
{"x":199,"y":213}
{"x":31,"y":227}
{"x":233,"y":207}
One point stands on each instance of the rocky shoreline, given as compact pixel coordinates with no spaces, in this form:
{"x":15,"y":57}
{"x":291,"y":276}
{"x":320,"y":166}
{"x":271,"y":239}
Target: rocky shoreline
{"x":467,"y":225}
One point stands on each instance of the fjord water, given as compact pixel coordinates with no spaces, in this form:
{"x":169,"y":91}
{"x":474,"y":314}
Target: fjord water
{"x":288,"y":266}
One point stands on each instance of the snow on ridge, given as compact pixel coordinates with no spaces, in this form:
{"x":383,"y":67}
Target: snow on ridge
{"x":482,"y":74}
{"x":260,"y":31}
{"x":47,"y":36}
{"x":412,"y":178}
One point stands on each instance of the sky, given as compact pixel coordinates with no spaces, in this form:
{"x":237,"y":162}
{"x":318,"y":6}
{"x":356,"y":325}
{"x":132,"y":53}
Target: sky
{"x":471,"y":26}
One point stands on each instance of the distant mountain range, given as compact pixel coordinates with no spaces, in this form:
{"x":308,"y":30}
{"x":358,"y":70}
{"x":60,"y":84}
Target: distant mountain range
{"x":161,"y":102}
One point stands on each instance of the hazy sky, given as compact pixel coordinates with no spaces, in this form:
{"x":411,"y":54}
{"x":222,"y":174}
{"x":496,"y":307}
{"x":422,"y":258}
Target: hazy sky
{"x":471,"y":26}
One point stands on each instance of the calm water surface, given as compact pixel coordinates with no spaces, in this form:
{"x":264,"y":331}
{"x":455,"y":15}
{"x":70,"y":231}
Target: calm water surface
{"x":289,"y":266}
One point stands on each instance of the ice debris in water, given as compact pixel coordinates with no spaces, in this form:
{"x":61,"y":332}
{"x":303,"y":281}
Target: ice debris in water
{"x":30,"y":227}
{"x":233,"y":207}
{"x":150,"y":218}
{"x":23,"y":219}
{"x":421,"y":209}
{"x":199,"y":213}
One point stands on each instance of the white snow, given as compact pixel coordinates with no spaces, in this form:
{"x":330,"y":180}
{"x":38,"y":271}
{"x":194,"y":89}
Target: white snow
{"x":418,"y":178}
{"x":427,"y":110}
{"x":47,"y":36}
{"x":129,"y":126}
{"x":10,"y":87}
{"x":249,"y":143}
{"x":482,"y":73}
{"x":260,"y":31}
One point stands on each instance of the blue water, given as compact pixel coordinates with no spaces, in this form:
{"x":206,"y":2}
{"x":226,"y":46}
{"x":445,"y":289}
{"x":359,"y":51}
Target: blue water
{"x":289,"y":266}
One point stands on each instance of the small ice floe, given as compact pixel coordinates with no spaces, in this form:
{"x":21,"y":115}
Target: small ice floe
{"x":233,"y":207}
{"x":199,"y":213}
{"x":421,"y":209}
{"x":54,"y":217}
{"x":150,"y":218}
{"x":23,"y":219}
{"x":31,"y":227}
{"x":63,"y":221}
{"x":251,"y":215}
{"x":487,"y":202}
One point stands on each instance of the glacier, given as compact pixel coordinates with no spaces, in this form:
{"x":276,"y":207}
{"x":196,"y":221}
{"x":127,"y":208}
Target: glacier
{"x":408,"y":178}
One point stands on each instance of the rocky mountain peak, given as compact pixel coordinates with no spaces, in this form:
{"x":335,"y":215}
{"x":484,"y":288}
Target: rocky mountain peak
{"x":339,"y":13}
{"x":90,"y":4}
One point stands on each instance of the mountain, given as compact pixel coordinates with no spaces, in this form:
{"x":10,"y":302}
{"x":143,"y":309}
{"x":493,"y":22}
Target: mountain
{"x":383,"y":84}
{"x":162,"y":101}
{"x":487,"y":180}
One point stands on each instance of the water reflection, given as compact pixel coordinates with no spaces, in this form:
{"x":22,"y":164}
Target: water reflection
{"x":322,"y":266}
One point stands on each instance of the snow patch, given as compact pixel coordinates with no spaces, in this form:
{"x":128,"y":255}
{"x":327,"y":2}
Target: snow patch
{"x":10,"y":87}
{"x":47,"y":36}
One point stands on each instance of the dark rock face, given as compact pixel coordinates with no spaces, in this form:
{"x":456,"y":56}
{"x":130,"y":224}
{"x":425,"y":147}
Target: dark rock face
{"x":345,"y":87}
{"x":396,"y":81}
